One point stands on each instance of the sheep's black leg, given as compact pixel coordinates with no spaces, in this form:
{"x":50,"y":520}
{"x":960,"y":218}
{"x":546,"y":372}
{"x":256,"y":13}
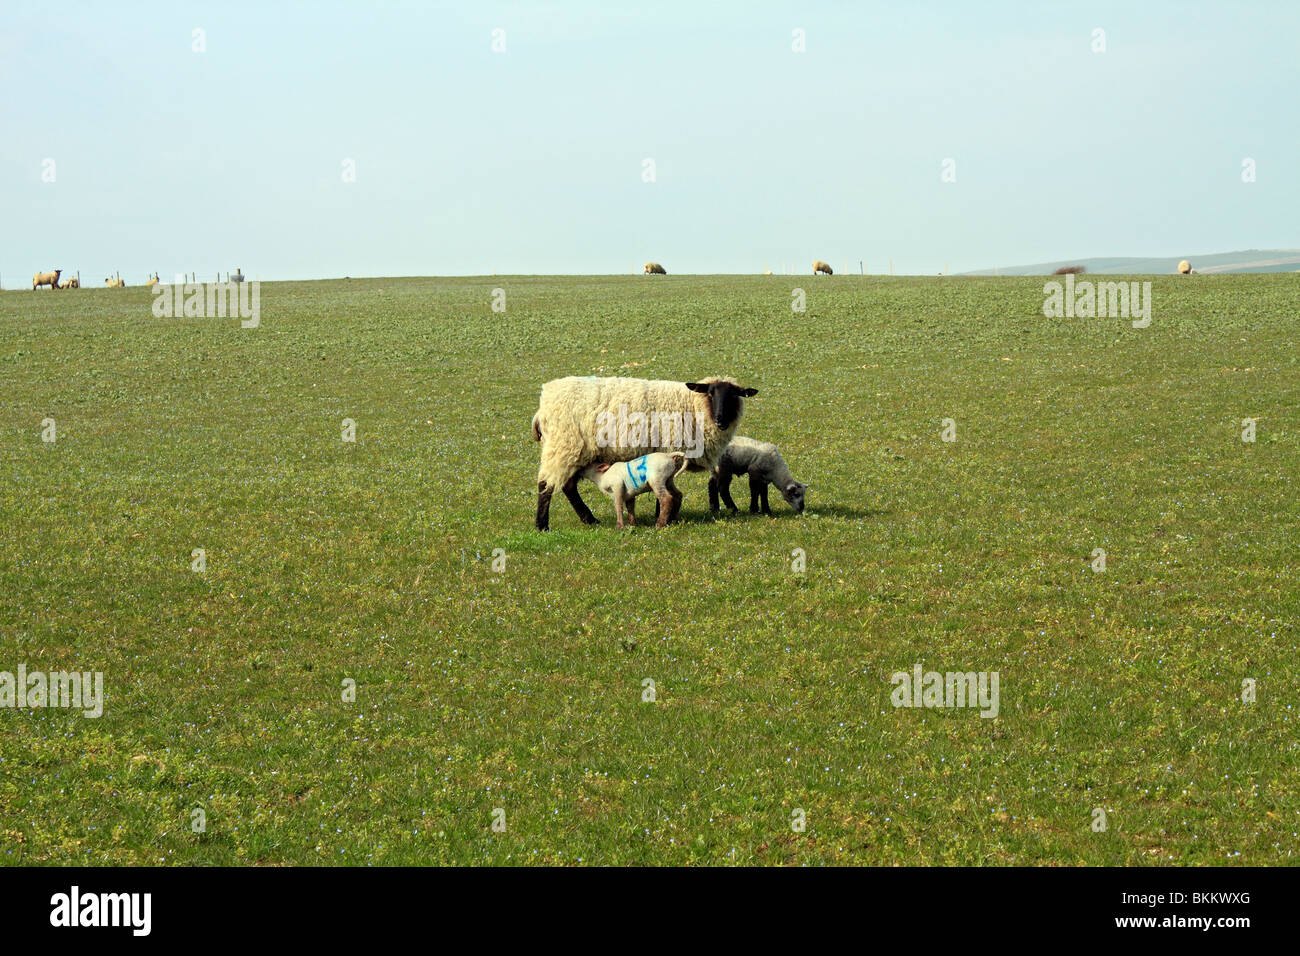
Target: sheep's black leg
{"x":580,"y":506}
{"x":755,"y":490}
{"x":544,"y":506}
{"x":762,"y":495}
{"x":713,"y":493}
{"x":724,"y":488}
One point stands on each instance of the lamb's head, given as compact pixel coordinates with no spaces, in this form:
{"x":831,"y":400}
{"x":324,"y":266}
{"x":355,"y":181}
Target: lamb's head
{"x":726,"y":399}
{"x":794,"y":495}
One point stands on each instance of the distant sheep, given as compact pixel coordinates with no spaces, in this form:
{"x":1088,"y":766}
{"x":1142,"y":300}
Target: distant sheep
{"x":627,"y":479}
{"x":1070,"y":270}
{"x":819,"y":266}
{"x":582,"y":420}
{"x":50,"y":279}
{"x":1185,"y":268}
{"x":70,"y":283}
{"x":655,"y":269}
{"x":763,"y":463}
{"x":115,"y":283}
{"x":153,"y":280}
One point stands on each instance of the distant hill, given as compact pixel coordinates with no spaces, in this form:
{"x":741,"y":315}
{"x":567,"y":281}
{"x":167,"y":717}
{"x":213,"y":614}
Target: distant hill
{"x":1248,"y":260}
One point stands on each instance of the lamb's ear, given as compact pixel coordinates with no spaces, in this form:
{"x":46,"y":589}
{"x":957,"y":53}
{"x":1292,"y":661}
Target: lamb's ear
{"x":748,"y":392}
{"x":697,"y":386}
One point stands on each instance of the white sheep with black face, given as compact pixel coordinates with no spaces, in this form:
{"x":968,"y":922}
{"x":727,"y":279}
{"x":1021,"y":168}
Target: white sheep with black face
{"x":583,"y":420}
{"x":763,"y":463}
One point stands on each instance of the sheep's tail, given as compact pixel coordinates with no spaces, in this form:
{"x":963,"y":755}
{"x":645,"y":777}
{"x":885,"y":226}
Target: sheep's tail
{"x":680,"y":459}
{"x":537,"y":430}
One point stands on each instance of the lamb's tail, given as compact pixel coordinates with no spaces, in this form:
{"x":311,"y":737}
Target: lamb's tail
{"x":537,"y":430}
{"x":680,"y":459}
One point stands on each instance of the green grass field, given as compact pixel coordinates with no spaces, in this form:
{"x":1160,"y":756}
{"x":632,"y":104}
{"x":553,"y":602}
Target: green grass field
{"x":522,"y":689}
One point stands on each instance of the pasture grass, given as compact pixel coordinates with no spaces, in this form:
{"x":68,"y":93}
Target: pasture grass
{"x":522,"y":690}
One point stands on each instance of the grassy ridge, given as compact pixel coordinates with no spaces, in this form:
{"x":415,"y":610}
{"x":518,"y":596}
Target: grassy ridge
{"x":522,"y":689}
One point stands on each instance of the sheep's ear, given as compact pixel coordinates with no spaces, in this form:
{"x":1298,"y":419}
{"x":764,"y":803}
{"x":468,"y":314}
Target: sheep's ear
{"x":749,"y":392}
{"x":697,"y":386}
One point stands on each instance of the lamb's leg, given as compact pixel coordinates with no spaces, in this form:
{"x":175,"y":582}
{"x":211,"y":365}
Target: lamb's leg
{"x":665,"y":508}
{"x":544,"y":492}
{"x":618,"y":507}
{"x":713,"y":493}
{"x":580,"y":506}
{"x":762,"y":494}
{"x":677,"y":500}
{"x":724,"y":488}
{"x":756,"y":486}
{"x":631,"y":511}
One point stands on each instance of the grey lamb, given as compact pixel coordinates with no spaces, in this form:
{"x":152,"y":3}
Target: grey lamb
{"x":763,"y":463}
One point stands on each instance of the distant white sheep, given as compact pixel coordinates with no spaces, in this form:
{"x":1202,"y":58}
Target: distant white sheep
{"x":1185,"y":268}
{"x":655,"y":269}
{"x":581,"y":420}
{"x":819,"y":266}
{"x":50,"y":279}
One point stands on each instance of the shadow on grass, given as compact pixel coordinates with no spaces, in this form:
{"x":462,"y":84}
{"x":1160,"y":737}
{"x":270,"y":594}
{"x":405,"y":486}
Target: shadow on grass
{"x":779,"y":514}
{"x":785,"y":514}
{"x":534,"y":542}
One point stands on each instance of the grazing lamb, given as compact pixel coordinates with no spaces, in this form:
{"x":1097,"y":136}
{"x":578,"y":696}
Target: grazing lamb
{"x":581,"y":420}
{"x":655,"y":269}
{"x":763,"y":463}
{"x":819,"y":266}
{"x":50,"y":279}
{"x":627,"y":479}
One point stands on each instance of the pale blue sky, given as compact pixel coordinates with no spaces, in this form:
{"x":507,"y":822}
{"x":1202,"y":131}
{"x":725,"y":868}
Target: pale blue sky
{"x":530,"y":161}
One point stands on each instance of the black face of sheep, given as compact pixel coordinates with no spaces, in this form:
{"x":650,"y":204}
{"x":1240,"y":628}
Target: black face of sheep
{"x":794,"y":495}
{"x":724,"y":400}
